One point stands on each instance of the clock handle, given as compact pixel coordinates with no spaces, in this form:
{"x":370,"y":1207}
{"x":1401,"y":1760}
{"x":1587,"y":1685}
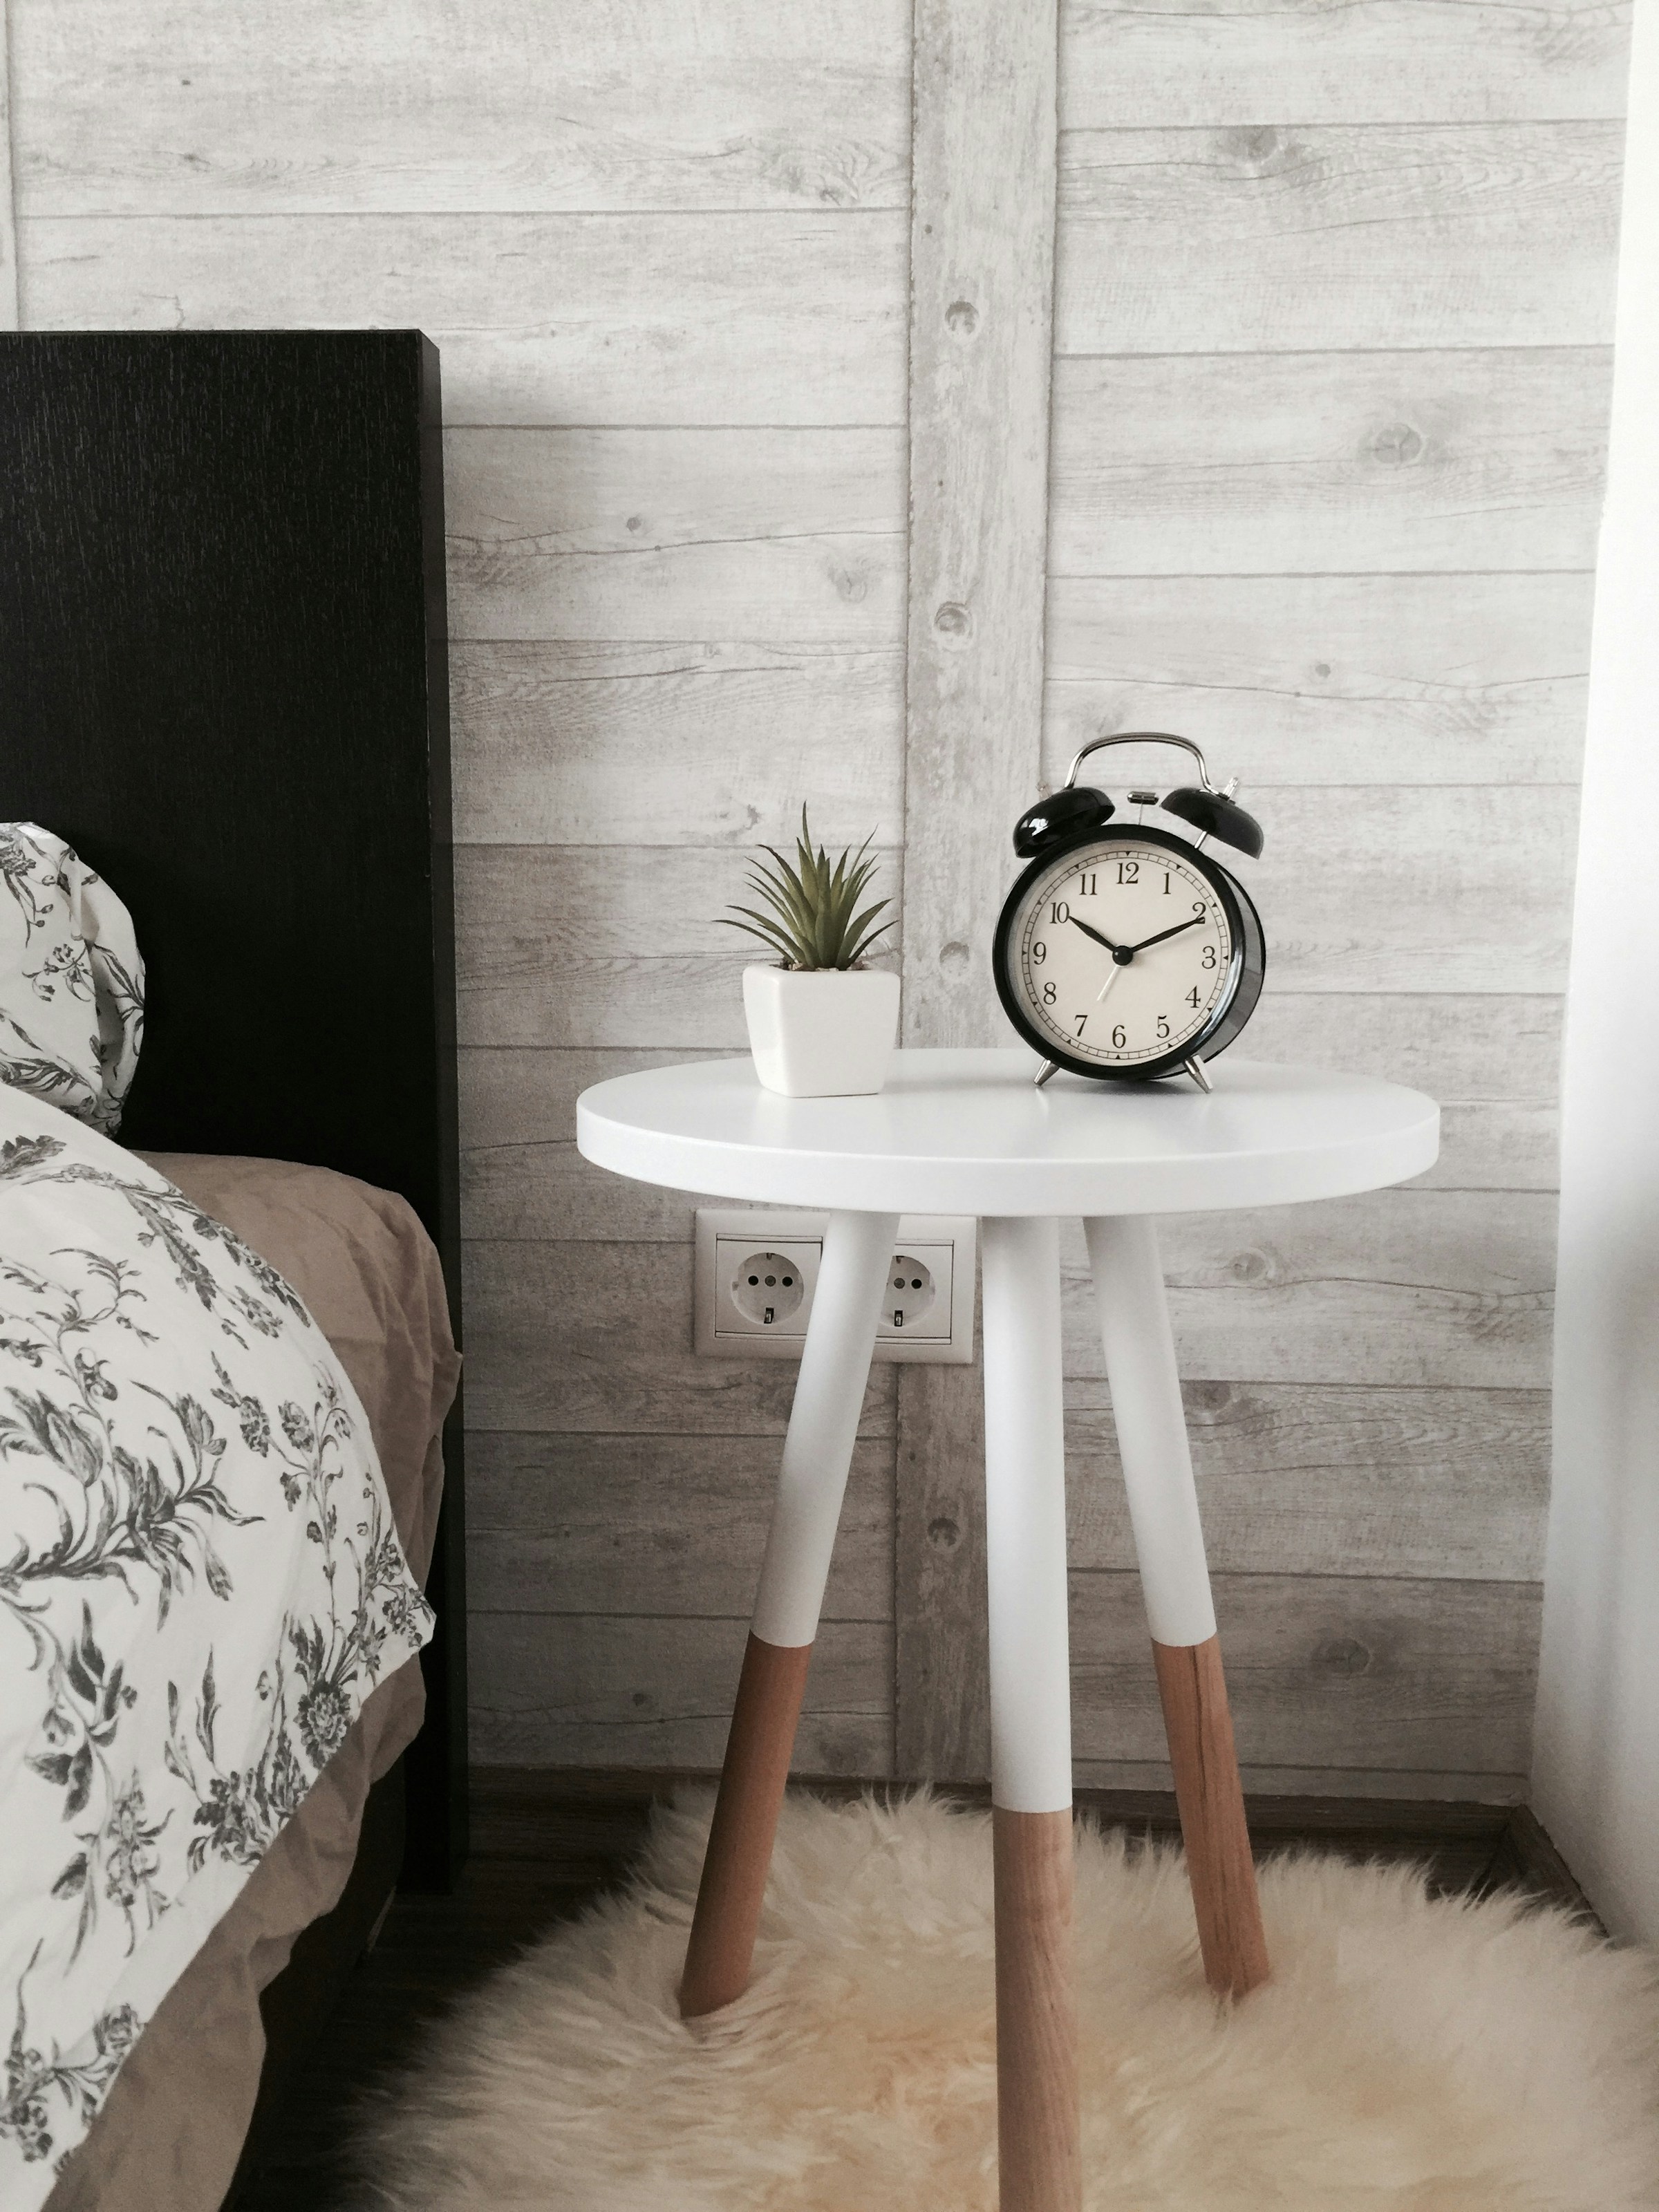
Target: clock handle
{"x":1140,"y":738}
{"x":1209,"y":811}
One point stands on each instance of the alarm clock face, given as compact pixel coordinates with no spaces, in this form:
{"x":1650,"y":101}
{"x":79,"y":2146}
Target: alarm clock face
{"x":1124,"y":953}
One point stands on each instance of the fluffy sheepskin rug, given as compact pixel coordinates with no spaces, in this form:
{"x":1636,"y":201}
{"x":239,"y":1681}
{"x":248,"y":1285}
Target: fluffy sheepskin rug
{"x":1410,"y":2055}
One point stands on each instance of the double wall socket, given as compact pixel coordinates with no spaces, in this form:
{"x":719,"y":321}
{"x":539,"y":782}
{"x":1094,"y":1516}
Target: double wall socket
{"x":757,"y":1271}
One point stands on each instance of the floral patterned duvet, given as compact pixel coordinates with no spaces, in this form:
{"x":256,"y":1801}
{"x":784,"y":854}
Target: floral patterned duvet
{"x":200,"y":1584}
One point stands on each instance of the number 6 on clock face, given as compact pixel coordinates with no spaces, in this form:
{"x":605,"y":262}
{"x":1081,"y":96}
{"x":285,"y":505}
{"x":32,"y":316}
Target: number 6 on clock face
{"x":1124,"y":951}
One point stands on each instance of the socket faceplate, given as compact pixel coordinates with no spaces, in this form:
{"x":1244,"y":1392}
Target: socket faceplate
{"x":927,"y":1312}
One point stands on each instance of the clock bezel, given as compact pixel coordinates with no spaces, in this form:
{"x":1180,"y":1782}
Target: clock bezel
{"x":1245,"y":970}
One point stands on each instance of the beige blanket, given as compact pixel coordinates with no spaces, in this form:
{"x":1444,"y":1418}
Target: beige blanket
{"x":172,"y":2128}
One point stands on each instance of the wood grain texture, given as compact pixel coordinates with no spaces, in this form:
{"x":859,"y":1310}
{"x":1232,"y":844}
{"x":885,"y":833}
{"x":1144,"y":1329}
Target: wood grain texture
{"x":1381,"y":1686}
{"x":1039,"y":2152}
{"x":1401,"y":889}
{"x":9,"y":289}
{"x":655,"y":1524}
{"x":1193,"y":1692}
{"x":1464,"y":1050}
{"x":739,"y":1857}
{"x":1356,"y":679}
{"x":574,"y":318}
{"x":1409,"y":1288}
{"x":558,"y":1690}
{"x":981,"y":273}
{"x":791,"y":537}
{"x":1270,"y":237}
{"x":599,"y":946}
{"x":1308,"y":1479}
{"x":503,"y":105}
{"x":1377,"y":1686}
{"x":942,"y":1684}
{"x":1512,"y":1146}
{"x":1303,"y":463}
{"x":521,"y":1175}
{"x":698,"y":743}
{"x":1135,"y":63}
{"x":615,"y":900}
{"x":523,"y":991}
{"x":687,"y":1004}
{"x":1404,"y":888}
{"x":596,"y":1339}
{"x":1264,"y":1782}
{"x":1327,"y":1672}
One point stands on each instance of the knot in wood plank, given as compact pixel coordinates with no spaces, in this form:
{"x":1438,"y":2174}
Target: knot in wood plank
{"x":1398,"y":446}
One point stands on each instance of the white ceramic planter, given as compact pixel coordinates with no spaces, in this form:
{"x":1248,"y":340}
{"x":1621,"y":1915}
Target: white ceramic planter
{"x":821,"y":1032}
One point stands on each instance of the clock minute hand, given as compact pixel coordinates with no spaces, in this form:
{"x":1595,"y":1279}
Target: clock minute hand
{"x":1191,"y":924}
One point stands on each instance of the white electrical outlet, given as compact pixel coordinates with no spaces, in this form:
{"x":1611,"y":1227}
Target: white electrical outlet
{"x":757,"y":1269}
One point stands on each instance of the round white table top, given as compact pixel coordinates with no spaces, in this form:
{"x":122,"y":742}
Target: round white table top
{"x":968,"y":1133}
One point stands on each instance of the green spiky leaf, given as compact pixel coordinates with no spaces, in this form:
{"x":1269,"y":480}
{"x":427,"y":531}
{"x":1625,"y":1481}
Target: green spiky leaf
{"x":814,"y":919}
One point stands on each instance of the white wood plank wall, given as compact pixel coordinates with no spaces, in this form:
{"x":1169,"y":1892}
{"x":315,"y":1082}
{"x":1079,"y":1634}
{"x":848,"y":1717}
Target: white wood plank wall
{"x":1329,"y":400}
{"x":1334,"y":296}
{"x":1329,"y":387}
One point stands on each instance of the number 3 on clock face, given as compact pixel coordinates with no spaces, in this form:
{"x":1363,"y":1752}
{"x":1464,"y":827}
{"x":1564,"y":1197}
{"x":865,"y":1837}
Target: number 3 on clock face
{"x":1126,"y":951}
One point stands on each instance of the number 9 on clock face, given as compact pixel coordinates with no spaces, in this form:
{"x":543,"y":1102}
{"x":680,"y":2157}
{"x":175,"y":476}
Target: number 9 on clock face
{"x":1124,"y":952}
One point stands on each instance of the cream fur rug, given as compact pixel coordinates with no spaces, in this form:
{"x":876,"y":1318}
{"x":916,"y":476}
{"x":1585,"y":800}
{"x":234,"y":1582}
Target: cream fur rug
{"x":1409,"y":2056}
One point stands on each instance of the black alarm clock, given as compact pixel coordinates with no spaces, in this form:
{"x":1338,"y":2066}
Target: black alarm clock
{"x":1124,"y":951}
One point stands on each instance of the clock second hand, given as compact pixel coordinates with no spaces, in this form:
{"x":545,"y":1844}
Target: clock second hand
{"x":1116,"y":951}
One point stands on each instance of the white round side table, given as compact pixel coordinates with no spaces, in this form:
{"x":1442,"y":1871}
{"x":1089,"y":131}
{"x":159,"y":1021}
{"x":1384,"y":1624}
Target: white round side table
{"x":966,"y":1132}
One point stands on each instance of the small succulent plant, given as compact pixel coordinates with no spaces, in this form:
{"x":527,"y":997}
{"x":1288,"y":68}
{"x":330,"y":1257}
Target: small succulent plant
{"x":813,"y":922}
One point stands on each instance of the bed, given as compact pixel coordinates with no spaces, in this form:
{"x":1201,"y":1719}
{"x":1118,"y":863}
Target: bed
{"x":222,"y":666}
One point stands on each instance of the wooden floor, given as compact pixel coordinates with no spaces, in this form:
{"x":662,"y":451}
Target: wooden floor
{"x":546,"y":1842}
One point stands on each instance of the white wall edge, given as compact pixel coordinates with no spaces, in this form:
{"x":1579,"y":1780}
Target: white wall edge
{"x":1595,"y":1777}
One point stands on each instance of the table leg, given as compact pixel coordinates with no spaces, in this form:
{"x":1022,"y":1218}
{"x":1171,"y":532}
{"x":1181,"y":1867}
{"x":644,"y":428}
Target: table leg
{"x":818,"y":1451}
{"x":1157,"y":1473}
{"x":1039,"y":2156}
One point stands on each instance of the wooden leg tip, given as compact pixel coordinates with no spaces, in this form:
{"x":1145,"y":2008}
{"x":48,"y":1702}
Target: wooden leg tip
{"x":1222,"y":1872}
{"x":1039,"y":2154}
{"x":1240,"y":1977}
{"x":703,"y":2003}
{"x":752,"y":1784}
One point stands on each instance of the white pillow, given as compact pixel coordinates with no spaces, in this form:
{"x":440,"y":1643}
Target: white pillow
{"x":72,"y":980}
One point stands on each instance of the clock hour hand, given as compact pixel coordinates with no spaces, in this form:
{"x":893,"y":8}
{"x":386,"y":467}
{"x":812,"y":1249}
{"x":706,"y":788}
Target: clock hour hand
{"x":1190,"y":924}
{"x":1089,"y":932}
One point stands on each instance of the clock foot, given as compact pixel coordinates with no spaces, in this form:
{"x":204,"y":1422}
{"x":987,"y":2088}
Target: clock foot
{"x":1052,"y":1067}
{"x":1194,"y":1067}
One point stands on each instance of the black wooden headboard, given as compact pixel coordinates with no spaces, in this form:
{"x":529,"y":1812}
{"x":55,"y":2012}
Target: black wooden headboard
{"x":223,"y":679}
